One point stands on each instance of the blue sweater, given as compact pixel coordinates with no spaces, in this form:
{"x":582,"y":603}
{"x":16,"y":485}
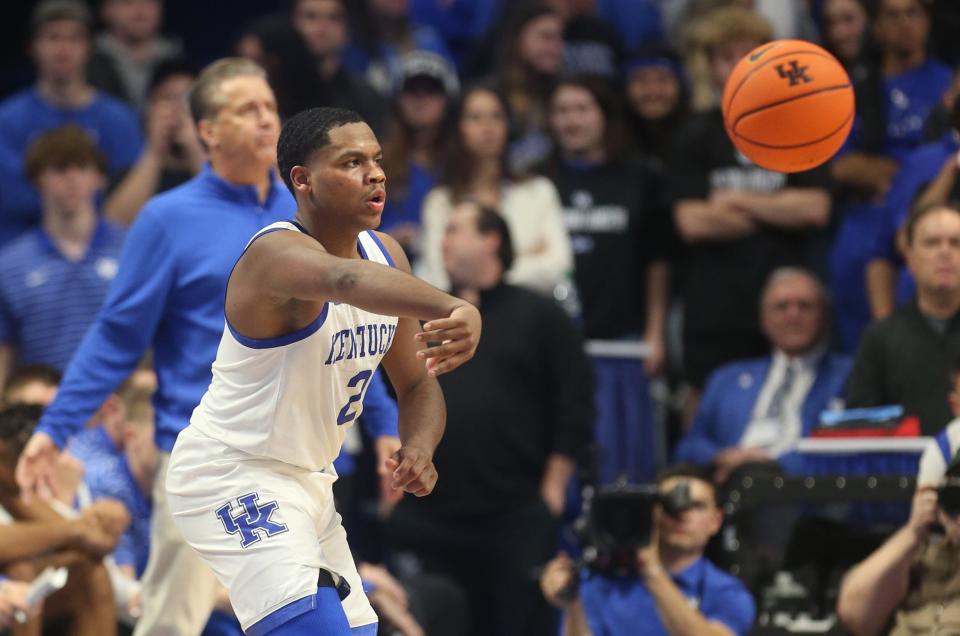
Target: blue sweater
{"x":729,"y":398}
{"x":168,"y":294}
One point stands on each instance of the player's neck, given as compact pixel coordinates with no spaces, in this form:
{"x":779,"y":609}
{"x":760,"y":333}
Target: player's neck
{"x":70,"y":93}
{"x":896,"y":62}
{"x":335,"y":241}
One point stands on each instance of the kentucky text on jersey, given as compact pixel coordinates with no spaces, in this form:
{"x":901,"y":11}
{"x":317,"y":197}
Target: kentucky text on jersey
{"x":360,"y":342}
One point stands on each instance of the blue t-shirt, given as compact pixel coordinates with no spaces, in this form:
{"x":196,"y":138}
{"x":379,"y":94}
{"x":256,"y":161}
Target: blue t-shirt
{"x":107,"y":475}
{"x":23,"y":116}
{"x":47,"y":301}
{"x":624,"y":607}
{"x":169,"y":293}
{"x":909,"y":98}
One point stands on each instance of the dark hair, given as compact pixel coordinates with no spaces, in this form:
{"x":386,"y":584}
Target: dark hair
{"x":290,"y":66}
{"x":525,"y":90}
{"x":167,"y":69}
{"x":489,"y":221}
{"x":691,"y":471}
{"x":60,"y":148}
{"x":615,"y":140}
{"x":917,"y":213}
{"x":305,"y":133}
{"x":459,"y":167}
{"x":873,"y":8}
{"x":16,"y":426}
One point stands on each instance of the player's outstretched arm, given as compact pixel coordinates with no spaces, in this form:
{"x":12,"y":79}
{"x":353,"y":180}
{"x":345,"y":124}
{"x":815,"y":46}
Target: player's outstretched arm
{"x":294,"y":266}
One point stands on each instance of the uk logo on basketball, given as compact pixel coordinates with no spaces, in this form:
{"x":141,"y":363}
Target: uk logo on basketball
{"x":253,"y":522}
{"x":794,"y":72}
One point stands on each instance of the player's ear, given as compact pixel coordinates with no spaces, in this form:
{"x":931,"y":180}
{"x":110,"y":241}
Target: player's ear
{"x":300,"y":178}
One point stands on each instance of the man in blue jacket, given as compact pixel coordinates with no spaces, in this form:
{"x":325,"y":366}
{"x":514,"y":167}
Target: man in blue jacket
{"x":168,"y":296}
{"x":757,"y":409}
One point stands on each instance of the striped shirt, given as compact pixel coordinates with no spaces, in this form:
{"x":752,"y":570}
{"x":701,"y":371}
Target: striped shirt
{"x":46,"y":300}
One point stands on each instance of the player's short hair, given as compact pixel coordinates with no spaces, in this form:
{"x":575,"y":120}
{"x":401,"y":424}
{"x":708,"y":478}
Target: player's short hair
{"x":305,"y":133}
{"x":61,"y":148}
{"x":731,"y":24}
{"x":17,"y":423}
{"x":689,"y":471}
{"x":205,"y":100}
{"x":28,"y":374}
{"x":489,"y":221}
{"x":917,"y":214}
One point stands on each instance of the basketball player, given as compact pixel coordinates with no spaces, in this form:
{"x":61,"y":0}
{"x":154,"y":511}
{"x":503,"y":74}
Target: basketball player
{"x":312,"y":307}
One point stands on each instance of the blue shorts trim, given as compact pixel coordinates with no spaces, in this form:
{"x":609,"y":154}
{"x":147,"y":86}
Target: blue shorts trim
{"x":365,"y":630}
{"x":283,"y":615}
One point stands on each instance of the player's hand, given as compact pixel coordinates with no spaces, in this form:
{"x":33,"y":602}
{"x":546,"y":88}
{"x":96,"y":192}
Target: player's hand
{"x":413,"y":471}
{"x":37,"y":468}
{"x":459,"y":335}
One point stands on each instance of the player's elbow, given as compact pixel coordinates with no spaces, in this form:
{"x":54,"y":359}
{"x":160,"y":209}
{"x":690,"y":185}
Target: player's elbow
{"x":339,"y":283}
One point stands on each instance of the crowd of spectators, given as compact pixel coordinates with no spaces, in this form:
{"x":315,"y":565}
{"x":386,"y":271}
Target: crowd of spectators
{"x":650,"y":296}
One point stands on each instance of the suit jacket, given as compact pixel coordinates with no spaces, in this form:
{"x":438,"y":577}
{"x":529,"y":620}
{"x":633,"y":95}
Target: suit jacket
{"x":730,"y":396}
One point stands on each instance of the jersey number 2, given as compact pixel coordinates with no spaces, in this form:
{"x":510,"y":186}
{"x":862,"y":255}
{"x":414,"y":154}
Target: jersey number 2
{"x":347,"y":413}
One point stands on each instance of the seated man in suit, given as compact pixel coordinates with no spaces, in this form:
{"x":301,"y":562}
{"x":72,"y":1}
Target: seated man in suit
{"x":756,"y":409}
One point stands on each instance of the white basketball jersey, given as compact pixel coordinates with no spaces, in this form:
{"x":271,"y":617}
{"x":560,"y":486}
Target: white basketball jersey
{"x":291,"y":398}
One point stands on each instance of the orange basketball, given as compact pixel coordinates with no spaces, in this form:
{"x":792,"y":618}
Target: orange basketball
{"x":788,"y":105}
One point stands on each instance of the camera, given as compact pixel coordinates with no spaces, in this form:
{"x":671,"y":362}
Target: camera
{"x":618,"y":520}
{"x":948,"y":496}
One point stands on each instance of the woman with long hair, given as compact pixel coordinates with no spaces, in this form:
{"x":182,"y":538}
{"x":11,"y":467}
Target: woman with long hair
{"x":477,"y":169}
{"x":531,"y":63}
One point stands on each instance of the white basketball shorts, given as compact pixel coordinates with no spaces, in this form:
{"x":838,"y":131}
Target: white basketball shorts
{"x":266,"y":528}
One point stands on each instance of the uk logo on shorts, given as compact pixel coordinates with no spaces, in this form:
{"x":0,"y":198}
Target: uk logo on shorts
{"x":253,"y":522}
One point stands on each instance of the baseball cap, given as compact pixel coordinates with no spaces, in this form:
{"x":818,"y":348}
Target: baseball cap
{"x":430,"y":65}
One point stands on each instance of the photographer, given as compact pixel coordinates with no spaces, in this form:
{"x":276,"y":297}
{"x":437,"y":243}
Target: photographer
{"x":912,"y":582}
{"x":670,"y":588}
